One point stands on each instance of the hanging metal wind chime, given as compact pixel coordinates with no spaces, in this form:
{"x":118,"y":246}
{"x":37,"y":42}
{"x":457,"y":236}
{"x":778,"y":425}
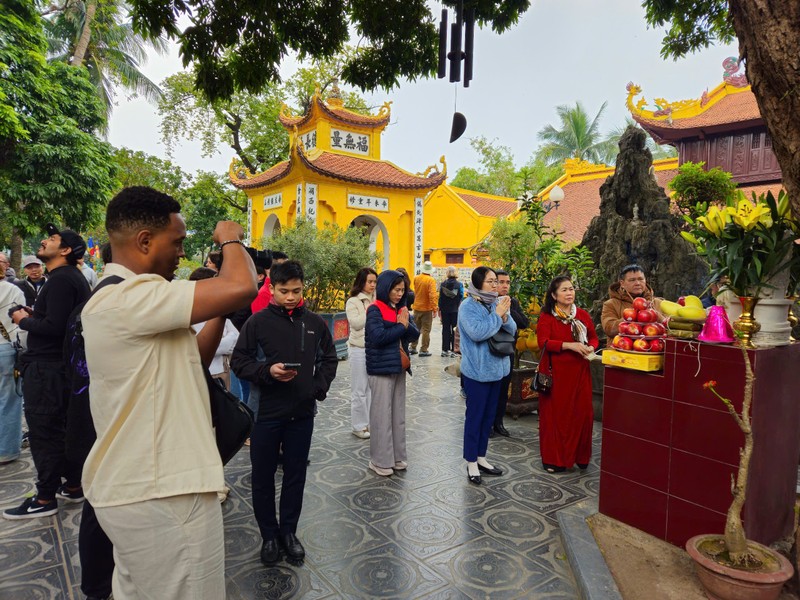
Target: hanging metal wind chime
{"x":465,"y":20}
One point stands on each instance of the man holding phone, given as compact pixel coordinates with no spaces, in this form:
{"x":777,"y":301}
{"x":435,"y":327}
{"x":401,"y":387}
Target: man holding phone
{"x":287,"y":354}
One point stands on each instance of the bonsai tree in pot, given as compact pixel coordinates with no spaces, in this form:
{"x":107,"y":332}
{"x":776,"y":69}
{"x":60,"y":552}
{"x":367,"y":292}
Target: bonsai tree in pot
{"x":730,"y":566}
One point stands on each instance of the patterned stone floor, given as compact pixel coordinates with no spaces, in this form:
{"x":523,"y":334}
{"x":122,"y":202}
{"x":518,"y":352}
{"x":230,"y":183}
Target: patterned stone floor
{"x":425,"y":533}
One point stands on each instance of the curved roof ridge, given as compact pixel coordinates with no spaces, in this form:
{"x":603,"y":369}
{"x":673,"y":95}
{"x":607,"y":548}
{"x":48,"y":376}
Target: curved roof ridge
{"x":336,"y":111}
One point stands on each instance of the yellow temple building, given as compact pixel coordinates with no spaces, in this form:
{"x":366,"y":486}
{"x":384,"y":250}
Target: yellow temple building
{"x":335,"y":174}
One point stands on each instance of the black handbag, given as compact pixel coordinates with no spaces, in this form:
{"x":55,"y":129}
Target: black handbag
{"x":502,"y":343}
{"x":542,"y":382}
{"x":232,"y":419}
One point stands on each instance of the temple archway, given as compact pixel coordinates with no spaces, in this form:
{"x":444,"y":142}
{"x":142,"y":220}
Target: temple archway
{"x":378,"y":237}
{"x":272,"y":226}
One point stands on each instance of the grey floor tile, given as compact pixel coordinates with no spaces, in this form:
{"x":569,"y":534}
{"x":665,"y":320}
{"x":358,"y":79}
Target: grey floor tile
{"x":421,"y":533}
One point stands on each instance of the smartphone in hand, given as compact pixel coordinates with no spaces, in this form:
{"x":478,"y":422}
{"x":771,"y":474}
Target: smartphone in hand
{"x":291,"y":365}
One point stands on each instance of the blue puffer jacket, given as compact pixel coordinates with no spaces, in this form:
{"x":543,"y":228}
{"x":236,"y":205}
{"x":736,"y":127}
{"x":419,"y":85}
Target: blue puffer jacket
{"x":382,"y":338}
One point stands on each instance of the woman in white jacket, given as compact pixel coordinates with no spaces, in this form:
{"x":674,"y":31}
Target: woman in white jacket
{"x":361,"y":296}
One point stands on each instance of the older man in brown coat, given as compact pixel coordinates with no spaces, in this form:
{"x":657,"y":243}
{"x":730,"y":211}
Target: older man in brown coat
{"x":632,"y":284}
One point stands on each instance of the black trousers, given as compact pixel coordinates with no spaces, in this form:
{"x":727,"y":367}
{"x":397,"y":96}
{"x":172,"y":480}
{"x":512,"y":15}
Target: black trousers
{"x":97,"y":555}
{"x":265,"y":443}
{"x":448,"y":331}
{"x":505,"y":382}
{"x":45,"y":392}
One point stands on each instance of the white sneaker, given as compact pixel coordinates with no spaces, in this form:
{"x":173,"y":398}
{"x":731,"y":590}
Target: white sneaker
{"x":363,"y":434}
{"x":400,"y":465}
{"x":379,"y":470}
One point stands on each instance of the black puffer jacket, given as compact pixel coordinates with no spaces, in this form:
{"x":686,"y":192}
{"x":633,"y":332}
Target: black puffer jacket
{"x":382,"y":338}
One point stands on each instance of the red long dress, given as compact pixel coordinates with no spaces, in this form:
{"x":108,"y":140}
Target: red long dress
{"x":565,"y":414}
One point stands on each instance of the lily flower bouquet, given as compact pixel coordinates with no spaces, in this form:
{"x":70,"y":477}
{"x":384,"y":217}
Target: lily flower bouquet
{"x":748,"y":241}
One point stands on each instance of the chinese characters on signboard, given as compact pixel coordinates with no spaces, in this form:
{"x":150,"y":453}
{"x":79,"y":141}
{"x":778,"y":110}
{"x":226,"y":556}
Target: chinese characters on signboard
{"x":311,"y":202}
{"x":273,"y":201}
{"x":349,"y":141}
{"x":362,"y":202}
{"x":309,"y":139}
{"x":418,"y":253}
{"x":298,"y":211}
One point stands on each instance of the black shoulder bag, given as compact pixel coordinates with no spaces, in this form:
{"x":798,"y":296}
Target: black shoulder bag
{"x":502,"y":343}
{"x":542,"y":381}
{"x":231,"y":418}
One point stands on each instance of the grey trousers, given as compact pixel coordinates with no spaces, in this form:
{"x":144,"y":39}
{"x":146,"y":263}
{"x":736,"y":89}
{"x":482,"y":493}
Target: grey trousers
{"x":387,"y":420}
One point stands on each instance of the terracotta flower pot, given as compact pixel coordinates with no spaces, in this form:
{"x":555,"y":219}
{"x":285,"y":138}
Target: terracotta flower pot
{"x":727,"y":583}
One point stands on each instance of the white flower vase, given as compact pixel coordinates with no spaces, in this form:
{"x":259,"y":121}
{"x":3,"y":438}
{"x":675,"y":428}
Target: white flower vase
{"x":773,"y":314}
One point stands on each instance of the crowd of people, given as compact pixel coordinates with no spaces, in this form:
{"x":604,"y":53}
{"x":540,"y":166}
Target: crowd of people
{"x":135,"y":444}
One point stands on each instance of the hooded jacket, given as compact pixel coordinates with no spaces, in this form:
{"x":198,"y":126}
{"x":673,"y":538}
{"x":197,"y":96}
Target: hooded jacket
{"x":273,"y":335}
{"x":383,"y":334}
{"x":619,"y":300}
{"x":451,"y":293}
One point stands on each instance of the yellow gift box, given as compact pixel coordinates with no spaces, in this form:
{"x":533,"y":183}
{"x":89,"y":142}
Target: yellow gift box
{"x":638,"y":362}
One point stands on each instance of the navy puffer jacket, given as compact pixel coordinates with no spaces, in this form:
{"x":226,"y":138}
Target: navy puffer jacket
{"x":382,"y":338}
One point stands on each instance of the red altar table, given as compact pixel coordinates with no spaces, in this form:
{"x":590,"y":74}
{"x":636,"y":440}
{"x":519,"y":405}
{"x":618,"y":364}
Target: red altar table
{"x":670,"y":447}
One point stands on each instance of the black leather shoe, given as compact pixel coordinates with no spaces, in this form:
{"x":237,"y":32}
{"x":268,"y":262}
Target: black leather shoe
{"x":488,"y":471}
{"x":270,"y":552}
{"x":501,"y":429}
{"x":476,"y":479}
{"x":293,"y":548}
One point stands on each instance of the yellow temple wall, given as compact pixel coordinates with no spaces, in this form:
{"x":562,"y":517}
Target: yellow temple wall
{"x":451,"y":227}
{"x":397,"y":224}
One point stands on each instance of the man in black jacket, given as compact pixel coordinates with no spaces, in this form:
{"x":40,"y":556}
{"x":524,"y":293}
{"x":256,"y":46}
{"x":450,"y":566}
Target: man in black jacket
{"x":44,"y":384}
{"x":522,"y":321}
{"x":286,"y":352}
{"x":34,"y":279}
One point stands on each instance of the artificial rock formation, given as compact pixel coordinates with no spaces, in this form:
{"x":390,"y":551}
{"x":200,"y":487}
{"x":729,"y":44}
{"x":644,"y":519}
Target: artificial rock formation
{"x":635,"y":225}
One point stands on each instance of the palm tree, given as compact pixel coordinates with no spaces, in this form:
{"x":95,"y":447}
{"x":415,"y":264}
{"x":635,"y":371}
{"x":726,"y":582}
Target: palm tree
{"x":578,"y":137}
{"x":99,"y":35}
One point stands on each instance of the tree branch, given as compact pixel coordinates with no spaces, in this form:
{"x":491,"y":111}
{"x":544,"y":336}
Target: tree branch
{"x":234,"y":123}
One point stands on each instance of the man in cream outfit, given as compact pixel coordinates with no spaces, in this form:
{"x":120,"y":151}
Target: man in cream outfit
{"x":154,"y":472}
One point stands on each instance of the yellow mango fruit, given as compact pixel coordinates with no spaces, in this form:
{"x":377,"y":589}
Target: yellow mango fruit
{"x":692,"y":312}
{"x":693,"y":302}
{"x":669,"y":308}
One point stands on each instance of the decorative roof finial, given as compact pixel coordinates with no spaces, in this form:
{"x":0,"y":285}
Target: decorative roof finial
{"x":335,"y":95}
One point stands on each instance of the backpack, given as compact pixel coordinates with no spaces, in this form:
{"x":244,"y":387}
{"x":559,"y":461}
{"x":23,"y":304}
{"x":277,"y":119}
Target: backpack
{"x":80,"y":434}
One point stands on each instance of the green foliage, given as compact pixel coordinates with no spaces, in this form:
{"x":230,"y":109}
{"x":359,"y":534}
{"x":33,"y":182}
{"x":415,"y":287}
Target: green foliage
{"x":498,"y":174}
{"x":115,"y":52}
{"x":694,"y":185}
{"x":210,"y":199}
{"x":578,"y":136}
{"x":691,"y":24}
{"x":247,"y":122}
{"x":331,"y":257}
{"x":238,"y":45}
{"x":139,"y":168}
{"x":54,"y":168}
{"x":750,"y":243}
{"x":533,"y":254}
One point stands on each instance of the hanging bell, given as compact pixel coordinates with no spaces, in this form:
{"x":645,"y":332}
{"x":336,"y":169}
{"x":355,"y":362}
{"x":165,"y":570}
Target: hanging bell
{"x":459,"y":126}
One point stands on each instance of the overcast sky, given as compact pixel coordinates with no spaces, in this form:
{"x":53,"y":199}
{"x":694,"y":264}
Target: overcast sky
{"x":561,"y":51}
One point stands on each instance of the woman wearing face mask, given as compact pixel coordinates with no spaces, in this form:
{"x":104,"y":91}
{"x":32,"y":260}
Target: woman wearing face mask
{"x":567,"y":336}
{"x":481,"y":316}
{"x":361,"y":296}
{"x":389,"y":329}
